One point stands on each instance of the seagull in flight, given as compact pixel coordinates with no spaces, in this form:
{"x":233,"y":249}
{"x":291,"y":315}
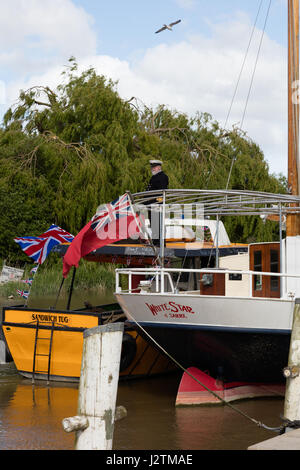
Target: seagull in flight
{"x":169,"y":27}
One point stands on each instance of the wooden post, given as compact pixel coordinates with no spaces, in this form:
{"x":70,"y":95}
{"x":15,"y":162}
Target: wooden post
{"x":98,"y":387}
{"x":292,"y":371}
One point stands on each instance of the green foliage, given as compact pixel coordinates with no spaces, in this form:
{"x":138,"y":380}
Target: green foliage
{"x":90,"y":276}
{"x":63,"y":152}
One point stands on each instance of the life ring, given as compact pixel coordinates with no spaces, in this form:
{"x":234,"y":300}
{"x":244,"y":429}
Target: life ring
{"x":128,"y":352}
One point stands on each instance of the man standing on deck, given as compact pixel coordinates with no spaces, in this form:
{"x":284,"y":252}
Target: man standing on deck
{"x":159,"y":180}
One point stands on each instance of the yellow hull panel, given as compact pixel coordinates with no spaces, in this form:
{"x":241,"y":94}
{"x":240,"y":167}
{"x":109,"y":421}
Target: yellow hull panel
{"x":20,"y":326}
{"x":65,"y":354}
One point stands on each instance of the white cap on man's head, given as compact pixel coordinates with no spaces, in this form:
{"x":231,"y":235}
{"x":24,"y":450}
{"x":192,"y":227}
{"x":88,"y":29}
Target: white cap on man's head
{"x":155,"y":162}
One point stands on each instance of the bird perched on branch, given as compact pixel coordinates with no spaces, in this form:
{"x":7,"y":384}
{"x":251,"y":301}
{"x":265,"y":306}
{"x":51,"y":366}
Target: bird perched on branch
{"x":169,"y":27}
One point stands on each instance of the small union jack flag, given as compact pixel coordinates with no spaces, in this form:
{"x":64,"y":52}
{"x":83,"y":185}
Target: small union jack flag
{"x":28,"y":281}
{"x":34,"y":270}
{"x":38,"y":248}
{"x":23,"y":293}
{"x":108,"y":213}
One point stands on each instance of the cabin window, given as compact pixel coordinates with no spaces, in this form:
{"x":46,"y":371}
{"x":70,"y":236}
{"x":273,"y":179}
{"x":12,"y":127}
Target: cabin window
{"x":257,"y":267}
{"x":274,"y":268}
{"x":235,"y":277}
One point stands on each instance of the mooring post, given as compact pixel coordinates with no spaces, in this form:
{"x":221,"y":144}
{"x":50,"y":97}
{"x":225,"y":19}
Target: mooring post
{"x":98,"y":388}
{"x":292,"y":371}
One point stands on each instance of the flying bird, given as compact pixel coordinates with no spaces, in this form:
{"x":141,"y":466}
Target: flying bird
{"x":169,"y":27}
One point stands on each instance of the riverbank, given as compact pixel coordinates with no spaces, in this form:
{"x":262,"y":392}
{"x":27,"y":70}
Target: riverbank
{"x":89,"y":276}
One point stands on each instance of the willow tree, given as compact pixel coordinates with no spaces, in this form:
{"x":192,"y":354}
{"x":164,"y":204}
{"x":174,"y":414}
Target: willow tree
{"x":62,"y":153}
{"x":200,"y":154}
{"x":65,"y":151}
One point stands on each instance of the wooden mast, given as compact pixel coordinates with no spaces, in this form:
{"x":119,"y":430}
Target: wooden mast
{"x":293,"y":221}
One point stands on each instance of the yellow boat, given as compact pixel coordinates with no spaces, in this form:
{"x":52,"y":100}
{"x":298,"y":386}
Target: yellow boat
{"x":47,"y":344}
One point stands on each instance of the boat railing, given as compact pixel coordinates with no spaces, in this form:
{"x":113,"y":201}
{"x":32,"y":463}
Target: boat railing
{"x":157,"y":275}
{"x":159,"y":280}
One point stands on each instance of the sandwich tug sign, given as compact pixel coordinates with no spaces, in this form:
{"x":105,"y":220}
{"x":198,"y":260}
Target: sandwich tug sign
{"x":50,"y":318}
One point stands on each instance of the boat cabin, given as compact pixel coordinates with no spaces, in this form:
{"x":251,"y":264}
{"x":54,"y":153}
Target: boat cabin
{"x":207,"y":262}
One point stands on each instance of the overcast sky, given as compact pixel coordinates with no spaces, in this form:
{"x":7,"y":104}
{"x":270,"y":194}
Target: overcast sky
{"x":193,"y":68}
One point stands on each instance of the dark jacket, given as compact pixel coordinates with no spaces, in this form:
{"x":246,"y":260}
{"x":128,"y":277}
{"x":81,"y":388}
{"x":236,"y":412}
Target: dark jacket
{"x":158,"y":181}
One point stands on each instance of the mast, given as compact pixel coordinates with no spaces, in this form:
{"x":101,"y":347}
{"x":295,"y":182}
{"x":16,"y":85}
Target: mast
{"x":293,"y":221}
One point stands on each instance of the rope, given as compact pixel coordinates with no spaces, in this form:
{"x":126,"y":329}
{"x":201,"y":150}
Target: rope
{"x":252,"y":79}
{"x":289,"y":424}
{"x":234,"y":408}
{"x":243,"y":65}
{"x":257,"y":56}
{"x":182,"y":266}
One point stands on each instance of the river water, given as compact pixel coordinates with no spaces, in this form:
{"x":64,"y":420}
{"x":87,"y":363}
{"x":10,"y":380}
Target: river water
{"x":31,"y":415}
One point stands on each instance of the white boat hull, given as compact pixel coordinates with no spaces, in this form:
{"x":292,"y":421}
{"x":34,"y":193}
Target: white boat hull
{"x":245,"y":339}
{"x":209,"y":312}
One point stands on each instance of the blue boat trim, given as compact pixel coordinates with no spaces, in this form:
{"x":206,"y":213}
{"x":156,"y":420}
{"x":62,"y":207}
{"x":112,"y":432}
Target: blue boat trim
{"x":210,"y":328}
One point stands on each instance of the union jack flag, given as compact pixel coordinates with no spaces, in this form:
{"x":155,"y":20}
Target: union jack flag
{"x":57,"y":234}
{"x":28,"y":281}
{"x":38,"y":248}
{"x":32,"y":246}
{"x":110,"y":212}
{"x":23,"y":293}
{"x":53,"y":236}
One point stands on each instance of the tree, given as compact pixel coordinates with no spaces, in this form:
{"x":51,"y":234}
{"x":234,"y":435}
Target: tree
{"x":65,"y":151}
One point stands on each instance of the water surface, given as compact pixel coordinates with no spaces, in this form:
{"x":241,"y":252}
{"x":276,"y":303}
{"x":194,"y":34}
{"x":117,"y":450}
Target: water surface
{"x":31,"y":415}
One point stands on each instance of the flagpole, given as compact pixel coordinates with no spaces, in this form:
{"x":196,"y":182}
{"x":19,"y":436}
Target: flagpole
{"x":71,"y":288}
{"x":143,"y":227}
{"x":58,"y":294}
{"x":30,"y":285}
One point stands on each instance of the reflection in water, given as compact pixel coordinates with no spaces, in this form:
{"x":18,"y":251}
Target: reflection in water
{"x":31,"y":416}
{"x":221,"y":427}
{"x":78,"y":299}
{"x":150,"y":422}
{"x":153,"y":421}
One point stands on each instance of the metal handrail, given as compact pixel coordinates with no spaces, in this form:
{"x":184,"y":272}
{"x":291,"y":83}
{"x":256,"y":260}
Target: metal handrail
{"x":159,"y":272}
{"x":224,"y":202}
